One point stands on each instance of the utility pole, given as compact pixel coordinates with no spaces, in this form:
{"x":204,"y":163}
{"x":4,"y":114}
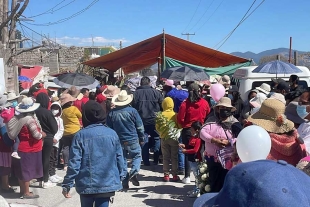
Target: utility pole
{"x":12,"y":33}
{"x":188,"y":34}
{"x":120,"y":47}
{"x":5,"y":31}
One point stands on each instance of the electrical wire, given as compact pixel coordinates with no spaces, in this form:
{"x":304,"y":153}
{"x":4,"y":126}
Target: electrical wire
{"x":245,"y":17}
{"x":210,"y":16}
{"x":67,"y":18}
{"x":48,"y":11}
{"x":203,"y":15}
{"x":190,"y":21}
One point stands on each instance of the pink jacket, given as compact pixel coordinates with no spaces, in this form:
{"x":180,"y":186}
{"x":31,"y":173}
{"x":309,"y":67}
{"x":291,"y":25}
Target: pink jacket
{"x":210,"y":131}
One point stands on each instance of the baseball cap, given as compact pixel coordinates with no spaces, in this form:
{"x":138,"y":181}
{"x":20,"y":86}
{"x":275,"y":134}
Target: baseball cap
{"x":283,"y":86}
{"x":261,"y":183}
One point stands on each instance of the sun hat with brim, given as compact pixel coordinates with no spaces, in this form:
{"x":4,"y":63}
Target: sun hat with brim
{"x":65,"y":98}
{"x":265,"y":88}
{"x":258,"y":100}
{"x":260,"y":183}
{"x":111,"y":91}
{"x":122,"y":99}
{"x":279,"y":97}
{"x":226,"y":102}
{"x":3,"y":102}
{"x":225,"y":79}
{"x":27,"y":105}
{"x":271,"y":117}
{"x":291,"y":113}
{"x":12,"y":96}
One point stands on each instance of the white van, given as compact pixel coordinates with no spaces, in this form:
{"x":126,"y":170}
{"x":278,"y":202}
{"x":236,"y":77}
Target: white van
{"x":248,"y":80}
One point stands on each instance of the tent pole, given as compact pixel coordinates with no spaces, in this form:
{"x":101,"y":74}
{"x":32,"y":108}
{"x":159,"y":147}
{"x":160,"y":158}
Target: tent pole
{"x":158,"y":66}
{"x":163,"y":63}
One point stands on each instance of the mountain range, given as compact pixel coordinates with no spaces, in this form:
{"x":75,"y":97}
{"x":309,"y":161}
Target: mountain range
{"x":280,"y":51}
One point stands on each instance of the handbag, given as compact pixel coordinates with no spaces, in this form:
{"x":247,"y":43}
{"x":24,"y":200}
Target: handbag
{"x":224,"y":155}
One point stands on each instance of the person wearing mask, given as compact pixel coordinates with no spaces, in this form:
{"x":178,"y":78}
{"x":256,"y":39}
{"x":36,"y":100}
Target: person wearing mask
{"x":236,"y":101}
{"x":96,"y":160}
{"x":50,"y":127}
{"x":71,"y":116}
{"x":247,"y":107}
{"x":57,"y":112}
{"x":147,"y":101}
{"x":85,"y":92}
{"x":127,"y":123}
{"x":194,"y":108}
{"x":217,"y":135}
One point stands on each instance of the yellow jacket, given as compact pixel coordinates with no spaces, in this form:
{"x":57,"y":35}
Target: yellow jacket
{"x":168,"y":113}
{"x":71,"y":116}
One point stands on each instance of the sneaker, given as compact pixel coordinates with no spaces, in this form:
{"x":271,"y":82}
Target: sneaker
{"x":54,"y":179}
{"x":58,"y":177}
{"x":48,"y":184}
{"x":15,"y":155}
{"x":166,"y":178}
{"x":176,"y":178}
{"x":194,"y":194}
{"x":125,"y":186}
{"x":186,"y":180}
{"x":134,"y":180}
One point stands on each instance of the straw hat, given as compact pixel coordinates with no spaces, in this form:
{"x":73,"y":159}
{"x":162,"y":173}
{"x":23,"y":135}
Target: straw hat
{"x":225,"y":80}
{"x":226,"y":102}
{"x":122,"y":99}
{"x":27,"y":105}
{"x":65,"y":98}
{"x":55,"y":98}
{"x":111,"y":91}
{"x":271,"y":117}
{"x":12,"y":96}
{"x":265,"y":88}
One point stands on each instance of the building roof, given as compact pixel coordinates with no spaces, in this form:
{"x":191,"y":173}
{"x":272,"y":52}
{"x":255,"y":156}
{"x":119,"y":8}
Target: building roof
{"x":146,"y":53}
{"x":30,"y":72}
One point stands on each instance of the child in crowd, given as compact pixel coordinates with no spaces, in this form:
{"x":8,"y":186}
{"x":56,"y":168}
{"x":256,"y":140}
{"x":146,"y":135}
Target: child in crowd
{"x":57,"y":112}
{"x":169,"y":145}
{"x":194,"y":156}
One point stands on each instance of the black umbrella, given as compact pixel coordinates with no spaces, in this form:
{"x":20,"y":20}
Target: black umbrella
{"x":79,"y":80}
{"x":185,"y":73}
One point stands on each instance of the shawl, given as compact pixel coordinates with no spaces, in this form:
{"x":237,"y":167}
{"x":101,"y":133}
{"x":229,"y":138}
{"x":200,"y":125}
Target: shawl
{"x":286,"y":147}
{"x":17,"y":122}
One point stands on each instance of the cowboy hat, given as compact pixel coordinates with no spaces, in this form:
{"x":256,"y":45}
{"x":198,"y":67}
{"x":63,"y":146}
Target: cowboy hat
{"x":3,"y":102}
{"x":225,"y":80}
{"x":122,"y":99}
{"x":111,"y":91}
{"x":12,"y":96}
{"x":27,"y":105}
{"x":271,"y":117}
{"x":65,"y":98}
{"x":265,"y":88}
{"x":226,"y":102}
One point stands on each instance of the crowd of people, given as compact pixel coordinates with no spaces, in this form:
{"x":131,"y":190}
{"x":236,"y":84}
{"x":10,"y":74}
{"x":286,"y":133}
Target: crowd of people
{"x":180,"y":124}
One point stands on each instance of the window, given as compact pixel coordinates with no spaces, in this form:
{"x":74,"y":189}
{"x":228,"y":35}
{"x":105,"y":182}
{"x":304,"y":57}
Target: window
{"x":301,"y":83}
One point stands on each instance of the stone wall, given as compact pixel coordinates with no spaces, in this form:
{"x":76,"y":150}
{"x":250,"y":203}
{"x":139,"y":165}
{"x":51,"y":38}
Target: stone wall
{"x":58,"y":60}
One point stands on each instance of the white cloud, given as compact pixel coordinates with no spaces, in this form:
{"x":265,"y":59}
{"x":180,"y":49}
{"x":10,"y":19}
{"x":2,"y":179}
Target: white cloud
{"x":87,"y":41}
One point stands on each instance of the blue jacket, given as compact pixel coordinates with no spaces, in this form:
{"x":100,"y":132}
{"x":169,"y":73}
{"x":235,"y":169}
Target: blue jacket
{"x":127,"y":123}
{"x":95,"y":161}
{"x":178,"y":96}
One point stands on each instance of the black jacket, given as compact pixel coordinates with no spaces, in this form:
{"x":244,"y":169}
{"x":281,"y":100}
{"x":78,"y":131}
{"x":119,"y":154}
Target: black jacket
{"x":147,"y":101}
{"x":45,"y":116}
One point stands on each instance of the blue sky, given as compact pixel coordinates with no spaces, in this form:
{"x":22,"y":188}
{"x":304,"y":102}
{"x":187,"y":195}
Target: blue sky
{"x":131,"y":21}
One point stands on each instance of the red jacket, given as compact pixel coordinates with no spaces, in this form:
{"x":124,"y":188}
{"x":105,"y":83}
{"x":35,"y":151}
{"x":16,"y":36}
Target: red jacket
{"x":193,"y":149}
{"x":191,"y":112}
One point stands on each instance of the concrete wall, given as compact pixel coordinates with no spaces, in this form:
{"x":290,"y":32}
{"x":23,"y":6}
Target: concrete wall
{"x":57,"y":60}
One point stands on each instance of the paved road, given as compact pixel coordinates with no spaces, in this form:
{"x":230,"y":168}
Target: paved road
{"x":151,"y":192}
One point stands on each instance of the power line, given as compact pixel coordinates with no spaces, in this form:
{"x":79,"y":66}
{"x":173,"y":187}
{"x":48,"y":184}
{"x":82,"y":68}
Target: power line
{"x":245,"y":17}
{"x":67,"y":18}
{"x":51,"y":11}
{"x":190,"y":21}
{"x":202,"y":15}
{"x":210,"y":15}
{"x":48,"y":11}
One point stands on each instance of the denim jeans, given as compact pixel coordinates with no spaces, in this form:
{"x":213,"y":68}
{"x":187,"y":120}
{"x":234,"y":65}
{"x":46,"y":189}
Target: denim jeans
{"x":134,"y":151}
{"x":186,"y":135}
{"x":194,"y":168}
{"x":88,"y":201}
{"x":180,"y":157}
{"x":149,"y":142}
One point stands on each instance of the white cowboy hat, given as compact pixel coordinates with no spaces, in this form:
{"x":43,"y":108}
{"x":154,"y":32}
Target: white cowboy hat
{"x":265,"y":88}
{"x":122,"y":99}
{"x":12,"y":96}
{"x":27,"y":105}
